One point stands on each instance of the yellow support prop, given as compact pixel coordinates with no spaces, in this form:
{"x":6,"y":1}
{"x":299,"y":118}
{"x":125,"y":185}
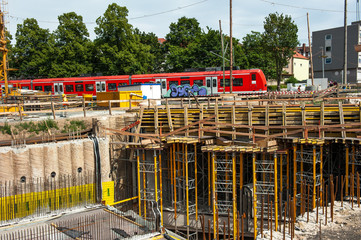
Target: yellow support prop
{"x":321,"y":179}
{"x":314,"y":178}
{"x":346,"y":186}
{"x":254,"y":195}
{"x":144,"y":188}
{"x":139,"y":199}
{"x":196,"y":178}
{"x":234,"y":193}
{"x":155,"y":176}
{"x":214,"y":197}
{"x":187,"y":186}
{"x":209,"y":179}
{"x":294,"y":172}
{"x":276,"y":192}
{"x":161,"y":187}
{"x":175,"y":183}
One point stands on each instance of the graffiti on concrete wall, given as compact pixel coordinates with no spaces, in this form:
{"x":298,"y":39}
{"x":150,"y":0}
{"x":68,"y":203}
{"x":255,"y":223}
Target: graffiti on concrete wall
{"x":183,"y":90}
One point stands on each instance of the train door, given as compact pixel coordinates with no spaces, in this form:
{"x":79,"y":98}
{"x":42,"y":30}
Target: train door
{"x":58,"y":88}
{"x":211,"y":85}
{"x":100,"y":86}
{"x":163,"y":85}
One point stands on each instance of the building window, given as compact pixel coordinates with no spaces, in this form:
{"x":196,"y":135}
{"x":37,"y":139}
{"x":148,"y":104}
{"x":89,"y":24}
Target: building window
{"x":328,"y":37}
{"x":328,"y":60}
{"x":328,"y":49}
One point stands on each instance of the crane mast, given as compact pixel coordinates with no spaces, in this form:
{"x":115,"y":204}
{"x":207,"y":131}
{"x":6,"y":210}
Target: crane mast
{"x":3,"y":49}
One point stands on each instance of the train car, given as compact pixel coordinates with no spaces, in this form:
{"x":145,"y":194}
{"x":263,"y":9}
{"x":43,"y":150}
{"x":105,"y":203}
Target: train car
{"x":172,"y":84}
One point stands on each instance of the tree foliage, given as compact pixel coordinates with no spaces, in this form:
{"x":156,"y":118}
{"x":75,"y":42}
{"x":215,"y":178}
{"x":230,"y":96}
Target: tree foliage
{"x":256,"y":54}
{"x":72,"y":47}
{"x":118,"y":48}
{"x":280,"y":39}
{"x":31,"y":51}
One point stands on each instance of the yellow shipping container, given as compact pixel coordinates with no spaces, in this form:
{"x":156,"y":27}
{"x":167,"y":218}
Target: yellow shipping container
{"x":123,"y":95}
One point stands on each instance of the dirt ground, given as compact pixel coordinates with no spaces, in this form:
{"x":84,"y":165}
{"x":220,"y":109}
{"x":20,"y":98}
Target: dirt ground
{"x":346,"y":224}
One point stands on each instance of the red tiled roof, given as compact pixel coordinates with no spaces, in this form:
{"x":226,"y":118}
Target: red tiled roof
{"x":299,"y":55}
{"x":161,"y":40}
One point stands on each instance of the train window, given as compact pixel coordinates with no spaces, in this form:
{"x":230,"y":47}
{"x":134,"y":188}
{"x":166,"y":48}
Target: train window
{"x":38,"y":88}
{"x":163,"y":85}
{"x":227,"y":82}
{"x":253,"y":76}
{"x":208,"y":83}
{"x":89,"y":87}
{"x":69,"y":88}
{"x":47,"y":88}
{"x":56,"y":88}
{"x":238,"y":82}
{"x":103,"y":87}
{"x":61,"y":88}
{"x":215,"y":82}
{"x":79,"y":87}
{"x":25,"y":87}
{"x":198,"y":82}
{"x":112,"y":86}
{"x":173,"y":83}
{"x":183,"y":82}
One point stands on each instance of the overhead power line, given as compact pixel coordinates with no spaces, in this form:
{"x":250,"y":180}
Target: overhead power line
{"x":133,"y":18}
{"x":305,"y":8}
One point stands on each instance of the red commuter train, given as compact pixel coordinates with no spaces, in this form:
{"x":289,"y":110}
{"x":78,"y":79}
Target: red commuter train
{"x":172,"y":84}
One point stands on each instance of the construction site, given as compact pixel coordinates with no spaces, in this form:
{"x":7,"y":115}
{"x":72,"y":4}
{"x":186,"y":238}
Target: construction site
{"x":194,"y":168}
{"x":256,"y":165}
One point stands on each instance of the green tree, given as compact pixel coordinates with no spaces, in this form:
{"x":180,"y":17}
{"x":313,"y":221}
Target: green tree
{"x":256,"y":54}
{"x":30,"y":54}
{"x":280,"y":39}
{"x":119,"y":50}
{"x":182,"y":33}
{"x":156,"y":49}
{"x":73,"y":49}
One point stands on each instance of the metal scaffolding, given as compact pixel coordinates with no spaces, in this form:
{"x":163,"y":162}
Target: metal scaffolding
{"x":309,"y":172}
{"x":184,"y":180}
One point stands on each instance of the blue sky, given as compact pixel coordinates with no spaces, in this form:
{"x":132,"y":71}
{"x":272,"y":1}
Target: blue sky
{"x":156,"y":15}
